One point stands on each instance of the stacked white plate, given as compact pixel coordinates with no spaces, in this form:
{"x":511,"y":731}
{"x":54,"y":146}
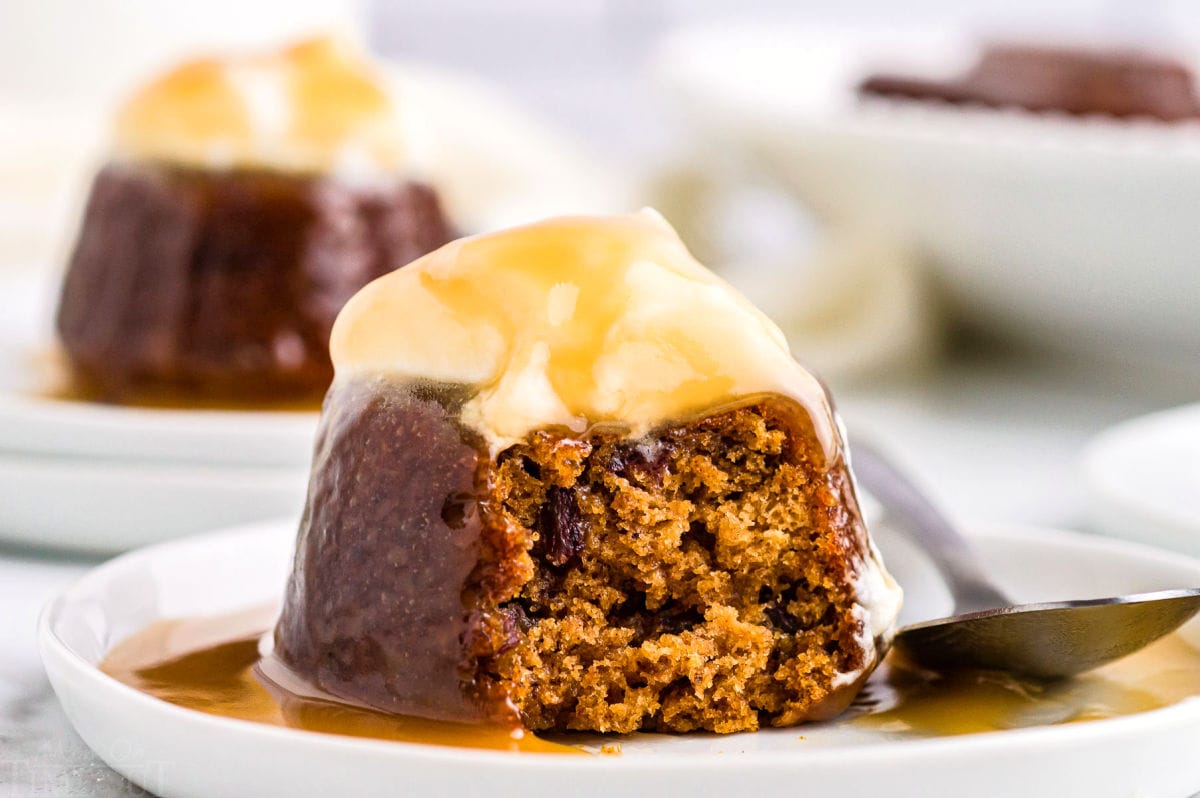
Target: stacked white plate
{"x":102,"y":478}
{"x":1143,"y":479}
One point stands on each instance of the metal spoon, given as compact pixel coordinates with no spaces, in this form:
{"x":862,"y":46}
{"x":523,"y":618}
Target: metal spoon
{"x":987,"y":630}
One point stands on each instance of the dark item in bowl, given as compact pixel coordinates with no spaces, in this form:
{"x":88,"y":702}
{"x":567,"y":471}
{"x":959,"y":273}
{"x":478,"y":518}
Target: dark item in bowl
{"x":1078,"y":81}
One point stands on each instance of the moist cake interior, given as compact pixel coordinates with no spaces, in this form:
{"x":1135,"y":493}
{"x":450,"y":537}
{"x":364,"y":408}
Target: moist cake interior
{"x":694,"y":579}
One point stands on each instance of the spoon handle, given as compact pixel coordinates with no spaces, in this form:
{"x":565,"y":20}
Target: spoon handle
{"x":954,"y":558}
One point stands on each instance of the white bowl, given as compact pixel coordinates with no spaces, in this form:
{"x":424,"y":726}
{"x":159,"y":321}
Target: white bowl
{"x":35,"y":425}
{"x":177,"y":752}
{"x":1070,"y":233}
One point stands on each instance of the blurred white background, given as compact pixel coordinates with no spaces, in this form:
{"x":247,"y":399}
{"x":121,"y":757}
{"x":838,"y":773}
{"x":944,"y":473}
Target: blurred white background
{"x":583,"y":62}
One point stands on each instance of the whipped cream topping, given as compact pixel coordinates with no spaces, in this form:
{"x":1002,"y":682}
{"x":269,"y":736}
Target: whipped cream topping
{"x":572,"y":322}
{"x":317,"y":106}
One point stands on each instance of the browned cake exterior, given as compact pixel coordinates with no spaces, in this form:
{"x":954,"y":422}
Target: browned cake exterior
{"x":225,"y":284}
{"x":700,"y":577}
{"x":1075,"y":81}
{"x":374,"y":610}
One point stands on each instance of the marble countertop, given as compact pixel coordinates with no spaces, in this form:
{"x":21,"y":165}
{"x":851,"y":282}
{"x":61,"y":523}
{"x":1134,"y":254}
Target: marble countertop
{"x":993,"y":438}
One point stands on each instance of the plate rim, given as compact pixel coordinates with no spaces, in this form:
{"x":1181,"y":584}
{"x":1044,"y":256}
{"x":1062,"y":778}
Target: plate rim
{"x":146,"y":423}
{"x":1112,"y":494}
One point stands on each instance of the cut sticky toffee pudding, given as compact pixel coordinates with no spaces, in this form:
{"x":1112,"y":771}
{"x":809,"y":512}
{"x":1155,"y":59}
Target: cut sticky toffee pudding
{"x":247,"y":199}
{"x":566,"y":478}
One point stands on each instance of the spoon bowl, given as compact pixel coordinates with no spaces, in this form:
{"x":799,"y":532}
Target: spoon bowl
{"x":1050,"y":640}
{"x":988,"y":630}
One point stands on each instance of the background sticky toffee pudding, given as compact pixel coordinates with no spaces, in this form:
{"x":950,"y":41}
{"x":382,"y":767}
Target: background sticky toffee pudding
{"x":220,"y":242}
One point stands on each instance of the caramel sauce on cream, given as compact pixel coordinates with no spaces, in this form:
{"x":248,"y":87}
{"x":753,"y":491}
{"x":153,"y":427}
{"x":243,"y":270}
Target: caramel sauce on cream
{"x":212,"y":665}
{"x":572,"y":322}
{"x":316,"y":106}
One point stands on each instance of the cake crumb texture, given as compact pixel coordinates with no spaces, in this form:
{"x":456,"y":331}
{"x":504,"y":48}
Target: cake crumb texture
{"x":699,"y":578}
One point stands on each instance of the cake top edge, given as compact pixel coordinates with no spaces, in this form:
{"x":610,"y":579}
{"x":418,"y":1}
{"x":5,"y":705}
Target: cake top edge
{"x":571,"y":322}
{"x":316,"y":106}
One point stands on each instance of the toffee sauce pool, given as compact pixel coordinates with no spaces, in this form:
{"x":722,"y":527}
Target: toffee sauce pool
{"x":214,"y":665}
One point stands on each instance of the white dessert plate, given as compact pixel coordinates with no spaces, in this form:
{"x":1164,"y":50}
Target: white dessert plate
{"x":34,"y":423}
{"x":176,"y":752}
{"x":1143,"y":479}
{"x":102,"y":507}
{"x":1073,"y":233}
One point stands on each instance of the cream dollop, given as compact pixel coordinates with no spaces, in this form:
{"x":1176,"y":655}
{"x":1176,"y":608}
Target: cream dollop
{"x":571,"y":322}
{"x":316,"y":106}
